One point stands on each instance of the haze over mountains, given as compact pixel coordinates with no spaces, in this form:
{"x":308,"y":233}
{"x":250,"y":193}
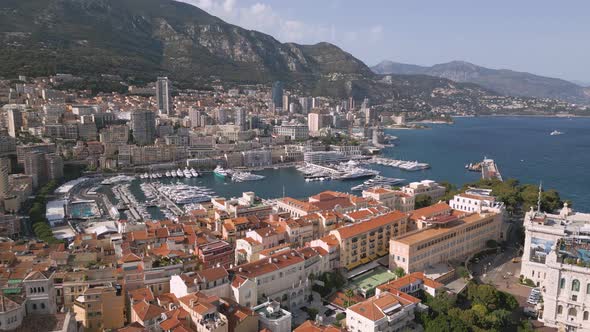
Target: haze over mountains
{"x":503,"y":81}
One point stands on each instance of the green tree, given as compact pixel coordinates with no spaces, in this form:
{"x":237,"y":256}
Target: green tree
{"x":349,"y":295}
{"x":312,"y":313}
{"x":399,"y":272}
{"x":441,"y":303}
{"x":422,"y":201}
{"x":443,"y":323}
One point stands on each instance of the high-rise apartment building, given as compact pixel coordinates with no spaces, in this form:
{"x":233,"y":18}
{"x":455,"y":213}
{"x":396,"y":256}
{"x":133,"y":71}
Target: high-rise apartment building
{"x":15,"y":122}
{"x":277,"y":94}
{"x":143,"y":124}
{"x":163,"y":95}
{"x":241,"y":120}
{"x":35,"y":167}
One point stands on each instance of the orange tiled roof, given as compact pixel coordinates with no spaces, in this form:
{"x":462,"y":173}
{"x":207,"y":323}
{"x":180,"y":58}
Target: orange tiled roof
{"x":141,"y":294}
{"x":411,"y":278}
{"x":263,"y":266}
{"x":426,"y":212}
{"x":310,"y":326}
{"x":366,"y":226}
{"x":146,"y":311}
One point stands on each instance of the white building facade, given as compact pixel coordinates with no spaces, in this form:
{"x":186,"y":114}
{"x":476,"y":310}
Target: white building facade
{"x":555,"y":259}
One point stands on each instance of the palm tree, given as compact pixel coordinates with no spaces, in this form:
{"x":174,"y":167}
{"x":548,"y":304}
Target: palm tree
{"x":349,"y":294}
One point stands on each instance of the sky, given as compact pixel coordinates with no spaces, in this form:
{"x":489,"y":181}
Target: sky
{"x":544,"y":37}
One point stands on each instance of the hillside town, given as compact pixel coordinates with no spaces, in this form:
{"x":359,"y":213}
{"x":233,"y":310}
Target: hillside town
{"x":103,"y":228}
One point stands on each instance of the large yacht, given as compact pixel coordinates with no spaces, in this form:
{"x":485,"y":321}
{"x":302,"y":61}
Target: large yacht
{"x":378,"y":181}
{"x":220,"y":172}
{"x":357,"y":173}
{"x":246,"y":176}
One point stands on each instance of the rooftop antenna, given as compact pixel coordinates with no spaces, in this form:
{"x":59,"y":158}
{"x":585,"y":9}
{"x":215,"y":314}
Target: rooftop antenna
{"x":539,"y":197}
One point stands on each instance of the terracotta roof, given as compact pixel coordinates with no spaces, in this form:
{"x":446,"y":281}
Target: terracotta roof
{"x":199,"y":302}
{"x":238,"y":281}
{"x":273,"y":263}
{"x":175,"y":318}
{"x":211,"y":274}
{"x":129,"y":258}
{"x":311,"y":326}
{"x":304,"y":206}
{"x":373,"y":307}
{"x":412,"y":278}
{"x":366,"y":226}
{"x":429,"y":211}
{"x":146,"y":311}
{"x":330,"y":240}
{"x":360,"y":214}
{"x":166,"y":299}
{"x":141,"y":294}
{"x":434,"y":232}
{"x":133,"y":327}
{"x":379,"y":190}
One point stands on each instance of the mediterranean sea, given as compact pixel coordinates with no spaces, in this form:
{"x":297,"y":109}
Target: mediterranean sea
{"x":521,"y":146}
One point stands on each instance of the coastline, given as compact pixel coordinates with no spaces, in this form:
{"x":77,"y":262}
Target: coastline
{"x":557,"y":116}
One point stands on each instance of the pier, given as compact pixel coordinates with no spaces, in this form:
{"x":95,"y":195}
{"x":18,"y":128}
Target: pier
{"x":169,"y":203}
{"x":490,"y":171}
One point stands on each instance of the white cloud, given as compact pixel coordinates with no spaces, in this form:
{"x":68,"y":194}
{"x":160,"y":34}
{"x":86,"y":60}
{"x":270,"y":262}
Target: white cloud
{"x":262,"y":17}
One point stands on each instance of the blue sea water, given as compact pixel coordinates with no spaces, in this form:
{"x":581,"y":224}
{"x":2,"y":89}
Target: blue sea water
{"x":521,"y":146}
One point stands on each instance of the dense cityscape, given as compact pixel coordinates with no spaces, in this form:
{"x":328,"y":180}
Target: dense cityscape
{"x":111,"y":216}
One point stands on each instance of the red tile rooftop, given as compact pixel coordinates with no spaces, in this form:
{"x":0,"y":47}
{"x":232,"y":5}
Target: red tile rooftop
{"x":365,"y":226}
{"x":411,"y":278}
{"x":266,"y":265}
{"x":426,"y":212}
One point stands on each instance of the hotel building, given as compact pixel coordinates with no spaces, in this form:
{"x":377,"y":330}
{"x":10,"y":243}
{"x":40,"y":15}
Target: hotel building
{"x":365,"y":241}
{"x":443,"y":235}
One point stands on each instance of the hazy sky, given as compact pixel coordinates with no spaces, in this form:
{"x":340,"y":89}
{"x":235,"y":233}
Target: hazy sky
{"x":544,"y":37}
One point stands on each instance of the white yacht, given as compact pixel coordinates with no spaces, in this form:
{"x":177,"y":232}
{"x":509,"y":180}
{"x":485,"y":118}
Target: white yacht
{"x":556,"y":132}
{"x":194,"y":173}
{"x":357,"y":173}
{"x":167,"y":174}
{"x":414,"y":166}
{"x":378,"y":181}
{"x":179,"y":173}
{"x":246,"y":176}
{"x":220,"y":172}
{"x":187,"y":173}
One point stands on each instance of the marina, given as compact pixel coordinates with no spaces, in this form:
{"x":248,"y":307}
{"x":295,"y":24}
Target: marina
{"x":186,"y":173}
{"x":410,"y":166}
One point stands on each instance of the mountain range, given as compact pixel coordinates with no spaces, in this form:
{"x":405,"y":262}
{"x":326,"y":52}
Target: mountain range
{"x":146,"y":38}
{"x":142,"y":39}
{"x":503,"y":81}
